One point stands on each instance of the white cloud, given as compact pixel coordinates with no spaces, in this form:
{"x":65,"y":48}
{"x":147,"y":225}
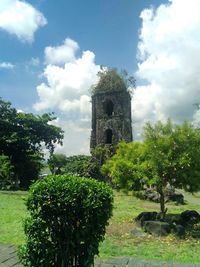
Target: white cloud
{"x":35,"y":61}
{"x":81,"y":105}
{"x":61,"y":54}
{"x":169,"y":62}
{"x":66,"y":91}
{"x":6,"y":65}
{"x":20,"y":111}
{"x":77,"y":137}
{"x":20,"y":18}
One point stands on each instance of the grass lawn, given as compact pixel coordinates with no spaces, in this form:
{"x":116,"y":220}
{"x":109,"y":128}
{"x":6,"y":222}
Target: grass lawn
{"x":12,"y":213}
{"x":119,"y":240}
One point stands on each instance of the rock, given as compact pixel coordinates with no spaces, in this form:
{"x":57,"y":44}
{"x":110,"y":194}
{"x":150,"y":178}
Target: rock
{"x":145,"y":216}
{"x":170,"y":195}
{"x":175,"y":197}
{"x":157,"y":228}
{"x":190,"y":217}
{"x":173,"y":219}
{"x":152,"y":195}
{"x":195,"y":234}
{"x":179,"y":230}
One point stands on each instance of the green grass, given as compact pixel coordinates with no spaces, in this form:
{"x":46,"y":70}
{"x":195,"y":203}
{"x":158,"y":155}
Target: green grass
{"x":119,"y":241}
{"x":12,"y":213}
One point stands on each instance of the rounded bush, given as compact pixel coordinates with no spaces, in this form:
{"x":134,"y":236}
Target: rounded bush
{"x":68,"y":218}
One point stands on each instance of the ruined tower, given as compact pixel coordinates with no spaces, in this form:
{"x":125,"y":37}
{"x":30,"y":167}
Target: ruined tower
{"x":111,"y":111}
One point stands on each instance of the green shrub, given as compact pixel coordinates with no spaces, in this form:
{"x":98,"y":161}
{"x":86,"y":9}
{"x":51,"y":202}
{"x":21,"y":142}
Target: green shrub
{"x":68,"y":218}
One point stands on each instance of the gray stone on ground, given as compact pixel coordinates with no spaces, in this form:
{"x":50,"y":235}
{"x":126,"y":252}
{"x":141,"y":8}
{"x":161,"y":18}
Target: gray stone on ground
{"x":145,"y":216}
{"x":170,"y":195}
{"x":179,"y":230}
{"x":157,"y":228}
{"x":8,"y":256}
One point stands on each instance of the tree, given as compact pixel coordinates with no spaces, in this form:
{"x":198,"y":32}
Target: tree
{"x":77,"y":165}
{"x":6,"y":173}
{"x":74,"y":165}
{"x":169,"y":155}
{"x":22,"y":138}
{"x":81,"y":165}
{"x":56,"y":163}
{"x":126,"y":168}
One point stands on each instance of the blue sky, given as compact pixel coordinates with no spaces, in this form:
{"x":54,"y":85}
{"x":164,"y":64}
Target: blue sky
{"x":51,"y":51}
{"x":107,"y":28}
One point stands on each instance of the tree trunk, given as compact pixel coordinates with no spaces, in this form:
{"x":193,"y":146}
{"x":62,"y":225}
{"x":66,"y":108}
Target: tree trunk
{"x":162,"y":202}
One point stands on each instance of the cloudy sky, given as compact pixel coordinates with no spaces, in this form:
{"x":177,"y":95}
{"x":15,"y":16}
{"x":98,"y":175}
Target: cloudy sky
{"x":51,"y":51}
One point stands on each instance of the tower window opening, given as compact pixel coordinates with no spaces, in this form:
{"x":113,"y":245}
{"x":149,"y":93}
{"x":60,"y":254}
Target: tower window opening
{"x":108,"y":107}
{"x":108,"y":136}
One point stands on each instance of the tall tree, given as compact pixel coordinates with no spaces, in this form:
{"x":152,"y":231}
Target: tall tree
{"x":22,"y":137}
{"x":169,"y":154}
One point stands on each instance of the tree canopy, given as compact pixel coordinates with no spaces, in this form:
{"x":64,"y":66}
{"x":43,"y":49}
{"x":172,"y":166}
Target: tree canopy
{"x":56,"y":163}
{"x":75,"y":165}
{"x":22,"y":137}
{"x":169,"y":155}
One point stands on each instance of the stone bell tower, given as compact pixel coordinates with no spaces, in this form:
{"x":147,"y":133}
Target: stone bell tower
{"x":111,"y":114}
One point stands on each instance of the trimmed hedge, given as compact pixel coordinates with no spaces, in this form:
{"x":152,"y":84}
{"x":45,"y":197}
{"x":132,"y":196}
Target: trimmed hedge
{"x":68,"y":218}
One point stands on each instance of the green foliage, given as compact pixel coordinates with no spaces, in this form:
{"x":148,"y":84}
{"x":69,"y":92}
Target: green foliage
{"x":81,"y":165}
{"x":100,"y":154}
{"x":173,"y":154}
{"x":68,"y":216}
{"x":126,"y":168}
{"x":56,"y":163}
{"x":111,"y":80}
{"x":6,"y":173}
{"x":74,"y":165}
{"x":77,"y":165}
{"x":169,"y":155}
{"x":22,"y":136}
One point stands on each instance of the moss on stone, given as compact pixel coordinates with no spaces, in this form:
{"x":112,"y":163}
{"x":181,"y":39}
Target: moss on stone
{"x":109,"y":81}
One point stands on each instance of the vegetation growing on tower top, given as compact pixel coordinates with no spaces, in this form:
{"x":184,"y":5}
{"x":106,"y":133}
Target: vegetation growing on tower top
{"x":110,"y":80}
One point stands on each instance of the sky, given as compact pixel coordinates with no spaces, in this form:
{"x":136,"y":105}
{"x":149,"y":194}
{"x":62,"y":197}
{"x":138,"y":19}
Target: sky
{"x":51,"y":52}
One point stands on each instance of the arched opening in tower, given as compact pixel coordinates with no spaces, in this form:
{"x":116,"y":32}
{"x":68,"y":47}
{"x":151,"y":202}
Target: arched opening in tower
{"x":108,"y":136}
{"x":108,"y":107}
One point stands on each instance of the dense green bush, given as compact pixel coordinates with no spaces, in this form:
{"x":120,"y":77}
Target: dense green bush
{"x":68,"y":217}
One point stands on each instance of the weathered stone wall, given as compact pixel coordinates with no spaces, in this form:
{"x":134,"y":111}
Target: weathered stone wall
{"x":119,"y":122}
